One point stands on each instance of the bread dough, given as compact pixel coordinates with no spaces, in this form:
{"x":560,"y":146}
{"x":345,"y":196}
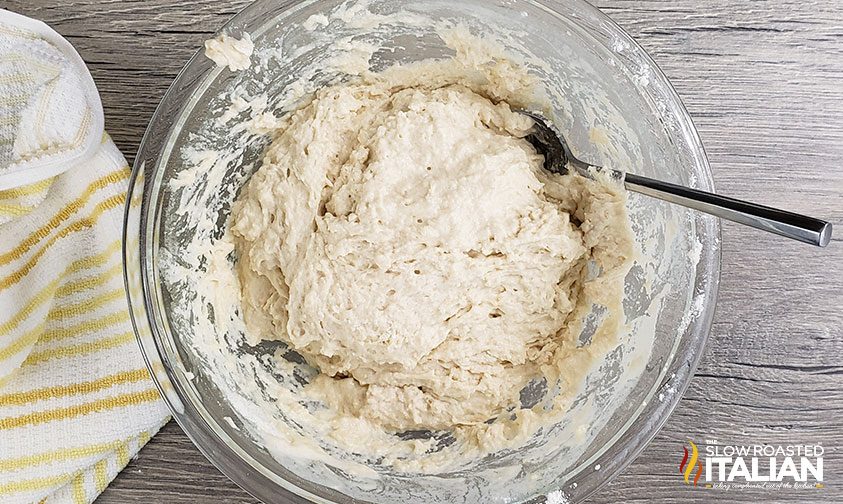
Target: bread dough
{"x":234,"y":53}
{"x":403,"y":237}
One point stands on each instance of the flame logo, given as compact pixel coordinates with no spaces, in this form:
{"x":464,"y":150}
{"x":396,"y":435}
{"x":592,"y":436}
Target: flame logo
{"x":686,"y":468}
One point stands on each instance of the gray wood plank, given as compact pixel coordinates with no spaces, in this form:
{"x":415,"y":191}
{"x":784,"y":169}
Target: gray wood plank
{"x":762,"y":80}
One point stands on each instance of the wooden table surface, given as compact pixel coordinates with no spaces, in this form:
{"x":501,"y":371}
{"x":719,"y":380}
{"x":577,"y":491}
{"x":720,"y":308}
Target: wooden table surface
{"x":763,"y":81}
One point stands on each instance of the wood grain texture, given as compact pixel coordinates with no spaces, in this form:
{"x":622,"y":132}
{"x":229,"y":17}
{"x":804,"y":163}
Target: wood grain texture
{"x":763,"y":81}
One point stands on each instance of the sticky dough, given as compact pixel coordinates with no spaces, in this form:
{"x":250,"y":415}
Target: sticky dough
{"x":405,"y":240}
{"x":234,"y":53}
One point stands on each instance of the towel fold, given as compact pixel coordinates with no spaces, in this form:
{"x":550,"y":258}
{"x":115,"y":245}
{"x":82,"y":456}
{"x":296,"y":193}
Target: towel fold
{"x":76,"y":400}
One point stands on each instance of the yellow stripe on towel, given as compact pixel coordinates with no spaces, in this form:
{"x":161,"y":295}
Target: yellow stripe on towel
{"x":101,"y":474}
{"x":30,"y":337}
{"x":67,"y":212}
{"x":84,"y":223}
{"x":26,"y":190}
{"x":79,"y":496}
{"x":89,"y":283}
{"x":43,"y":394}
{"x":49,"y":290}
{"x":108,"y":403}
{"x":82,"y":307}
{"x":62,"y":454}
{"x":33,"y":484}
{"x":86,"y":327}
{"x":80,"y":349}
{"x":14,"y":210}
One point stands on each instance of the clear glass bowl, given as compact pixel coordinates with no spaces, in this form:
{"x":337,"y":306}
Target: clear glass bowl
{"x":614,"y":106}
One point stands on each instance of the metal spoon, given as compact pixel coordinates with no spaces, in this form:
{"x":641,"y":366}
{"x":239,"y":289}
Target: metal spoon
{"x":558,"y":158}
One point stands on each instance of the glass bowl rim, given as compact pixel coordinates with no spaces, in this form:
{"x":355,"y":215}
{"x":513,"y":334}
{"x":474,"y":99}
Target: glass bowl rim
{"x":229,"y":458}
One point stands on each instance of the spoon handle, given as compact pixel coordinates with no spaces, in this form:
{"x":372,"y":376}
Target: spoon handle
{"x":798,"y":227}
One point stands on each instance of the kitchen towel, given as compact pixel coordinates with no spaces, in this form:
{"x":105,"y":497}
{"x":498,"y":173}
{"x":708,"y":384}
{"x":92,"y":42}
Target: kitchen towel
{"x":76,"y":400}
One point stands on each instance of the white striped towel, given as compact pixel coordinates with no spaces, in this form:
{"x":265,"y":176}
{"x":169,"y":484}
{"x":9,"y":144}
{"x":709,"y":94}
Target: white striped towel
{"x":76,"y":401}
